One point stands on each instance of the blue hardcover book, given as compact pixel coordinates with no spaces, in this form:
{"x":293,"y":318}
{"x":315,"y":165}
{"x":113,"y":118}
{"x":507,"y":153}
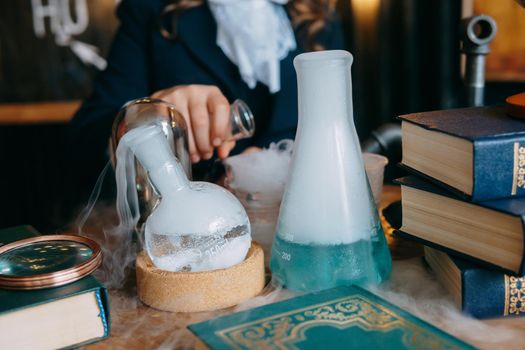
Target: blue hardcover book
{"x":339,"y":318}
{"x":480,"y":292}
{"x":490,"y":233}
{"x":478,"y":152}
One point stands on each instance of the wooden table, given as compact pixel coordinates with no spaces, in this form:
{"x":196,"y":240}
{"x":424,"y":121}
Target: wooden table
{"x":37,"y":112}
{"x":412,"y":287}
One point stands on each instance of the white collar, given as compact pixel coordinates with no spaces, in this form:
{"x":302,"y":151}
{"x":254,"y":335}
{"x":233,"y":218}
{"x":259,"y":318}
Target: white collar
{"x":255,"y":35}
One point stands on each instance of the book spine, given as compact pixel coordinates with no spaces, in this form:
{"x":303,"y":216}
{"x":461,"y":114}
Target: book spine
{"x":499,"y":168}
{"x":488,"y":294}
{"x":104,"y":304}
{"x":522,"y":266}
{"x":102,"y":301}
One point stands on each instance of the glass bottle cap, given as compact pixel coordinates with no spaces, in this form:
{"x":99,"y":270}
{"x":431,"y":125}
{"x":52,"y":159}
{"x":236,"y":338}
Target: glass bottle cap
{"x":47,"y":261}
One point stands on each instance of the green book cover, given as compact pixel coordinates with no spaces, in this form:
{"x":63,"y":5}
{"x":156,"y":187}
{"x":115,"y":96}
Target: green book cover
{"x":8,"y":235}
{"x":339,"y":318}
{"x":84,"y":303}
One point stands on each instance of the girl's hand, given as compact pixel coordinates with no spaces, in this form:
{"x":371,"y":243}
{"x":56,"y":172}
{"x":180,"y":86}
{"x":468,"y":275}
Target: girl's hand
{"x":207,"y":114}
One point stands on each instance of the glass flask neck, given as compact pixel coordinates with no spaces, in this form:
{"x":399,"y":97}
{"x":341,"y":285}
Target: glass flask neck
{"x":324,"y":86}
{"x":151,"y":147}
{"x":169,"y":177}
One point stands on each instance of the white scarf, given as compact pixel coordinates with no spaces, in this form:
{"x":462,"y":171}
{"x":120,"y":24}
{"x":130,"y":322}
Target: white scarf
{"x":255,"y":35}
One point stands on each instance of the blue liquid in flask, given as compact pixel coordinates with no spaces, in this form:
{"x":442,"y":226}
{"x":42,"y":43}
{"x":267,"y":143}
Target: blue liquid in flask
{"x":312,"y":267}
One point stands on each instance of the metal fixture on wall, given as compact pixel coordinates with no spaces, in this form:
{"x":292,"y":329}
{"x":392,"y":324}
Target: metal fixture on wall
{"x":476,"y":34}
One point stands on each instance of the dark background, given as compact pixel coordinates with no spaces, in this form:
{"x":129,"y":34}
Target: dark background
{"x":32,"y":70}
{"x":408,"y":62}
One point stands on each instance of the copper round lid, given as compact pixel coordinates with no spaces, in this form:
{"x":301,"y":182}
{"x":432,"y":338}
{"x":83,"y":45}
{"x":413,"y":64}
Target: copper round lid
{"x":516,"y":105}
{"x":47,"y":261}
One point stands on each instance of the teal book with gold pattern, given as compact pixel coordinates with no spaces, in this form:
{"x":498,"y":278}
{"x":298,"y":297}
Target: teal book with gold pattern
{"x":338,"y":318}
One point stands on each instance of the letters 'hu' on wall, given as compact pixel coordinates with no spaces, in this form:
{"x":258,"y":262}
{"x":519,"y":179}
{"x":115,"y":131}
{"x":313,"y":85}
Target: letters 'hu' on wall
{"x":50,"y":49}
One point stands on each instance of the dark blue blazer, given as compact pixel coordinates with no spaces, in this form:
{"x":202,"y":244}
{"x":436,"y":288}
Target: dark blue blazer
{"x":141,"y":62}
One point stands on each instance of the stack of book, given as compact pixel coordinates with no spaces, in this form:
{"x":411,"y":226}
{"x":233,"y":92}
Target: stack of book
{"x":68,"y":316}
{"x":465,"y":202}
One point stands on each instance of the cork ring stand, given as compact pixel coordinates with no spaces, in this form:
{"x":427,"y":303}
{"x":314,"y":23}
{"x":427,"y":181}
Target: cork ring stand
{"x":200,"y":291}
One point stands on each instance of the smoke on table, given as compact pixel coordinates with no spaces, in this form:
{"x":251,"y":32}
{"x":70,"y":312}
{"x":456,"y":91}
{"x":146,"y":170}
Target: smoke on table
{"x":119,"y":247}
{"x":411,"y":287}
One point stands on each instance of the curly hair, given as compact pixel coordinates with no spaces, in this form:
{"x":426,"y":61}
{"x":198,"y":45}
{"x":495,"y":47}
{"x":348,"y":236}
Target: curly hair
{"x":308,"y":16}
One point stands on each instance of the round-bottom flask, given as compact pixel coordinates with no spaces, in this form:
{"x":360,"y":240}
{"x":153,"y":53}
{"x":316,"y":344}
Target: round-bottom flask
{"x":197,"y":226}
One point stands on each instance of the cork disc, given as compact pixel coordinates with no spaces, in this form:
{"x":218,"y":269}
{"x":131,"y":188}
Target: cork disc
{"x":516,"y":105}
{"x":200,"y":291}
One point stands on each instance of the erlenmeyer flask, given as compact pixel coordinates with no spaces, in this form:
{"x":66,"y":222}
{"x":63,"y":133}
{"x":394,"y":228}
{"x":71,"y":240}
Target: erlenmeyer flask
{"x":328,"y":233}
